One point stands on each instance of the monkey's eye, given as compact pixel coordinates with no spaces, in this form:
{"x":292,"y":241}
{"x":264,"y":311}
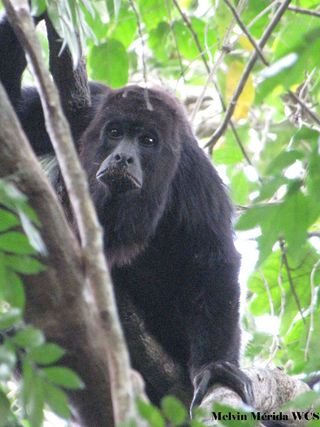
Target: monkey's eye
{"x":147,"y":140}
{"x":114,"y":132}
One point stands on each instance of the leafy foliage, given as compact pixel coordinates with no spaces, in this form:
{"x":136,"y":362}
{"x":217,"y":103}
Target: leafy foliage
{"x":42,"y":382}
{"x":270,"y":157}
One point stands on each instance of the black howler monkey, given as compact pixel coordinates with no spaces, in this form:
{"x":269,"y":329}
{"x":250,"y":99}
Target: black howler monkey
{"x":165,"y":214}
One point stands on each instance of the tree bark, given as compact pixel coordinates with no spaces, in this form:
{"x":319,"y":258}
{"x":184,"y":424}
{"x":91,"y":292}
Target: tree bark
{"x":86,"y":221}
{"x":272,"y":388}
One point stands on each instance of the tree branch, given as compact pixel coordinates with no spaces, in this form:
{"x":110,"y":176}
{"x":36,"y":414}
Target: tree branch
{"x":193,"y":33}
{"x":72,"y":83}
{"x":221,"y":129}
{"x":304,"y":11}
{"x":246,"y":32}
{"x":83,"y":210}
{"x":58,"y":308}
{"x":139,"y":24}
{"x":292,"y":287}
{"x":305,"y":107}
{"x":272,"y":389}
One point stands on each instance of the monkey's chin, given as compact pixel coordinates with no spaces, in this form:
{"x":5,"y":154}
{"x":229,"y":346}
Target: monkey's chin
{"x":119,"y":184}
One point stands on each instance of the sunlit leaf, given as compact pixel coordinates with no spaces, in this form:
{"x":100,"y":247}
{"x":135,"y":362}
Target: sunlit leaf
{"x":174,"y":410}
{"x":46,"y":353}
{"x":57,"y":400}
{"x":109,"y":63}
{"x":28,"y":337}
{"x":15,"y":242}
{"x":151,"y":414}
{"x":7,"y":220}
{"x":64,"y":377}
{"x":246,"y":98}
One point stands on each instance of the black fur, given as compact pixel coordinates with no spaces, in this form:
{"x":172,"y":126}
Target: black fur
{"x":170,"y":243}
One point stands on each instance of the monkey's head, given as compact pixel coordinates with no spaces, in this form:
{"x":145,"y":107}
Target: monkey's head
{"x":132,"y":152}
{"x":133,"y":143}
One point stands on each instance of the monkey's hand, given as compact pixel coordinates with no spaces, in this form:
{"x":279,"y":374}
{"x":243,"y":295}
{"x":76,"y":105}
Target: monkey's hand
{"x":226,"y":374}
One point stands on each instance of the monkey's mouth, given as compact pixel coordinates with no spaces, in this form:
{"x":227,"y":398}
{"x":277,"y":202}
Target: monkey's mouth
{"x":118,"y":180}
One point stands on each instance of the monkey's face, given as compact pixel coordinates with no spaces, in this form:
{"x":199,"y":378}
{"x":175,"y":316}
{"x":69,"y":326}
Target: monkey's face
{"x":133,"y":142}
{"x":127,"y":143}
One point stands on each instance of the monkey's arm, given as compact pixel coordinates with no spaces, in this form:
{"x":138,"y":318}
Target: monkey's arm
{"x":215,"y":333}
{"x":12,"y":63}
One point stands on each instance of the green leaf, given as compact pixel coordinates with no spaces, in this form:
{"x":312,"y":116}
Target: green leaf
{"x":95,"y":23}
{"x":174,"y":410}
{"x":3,"y":274}
{"x":35,"y":403}
{"x":289,"y":219}
{"x":16,"y":243}
{"x":117,"y":6}
{"x":228,"y":153}
{"x":4,"y":409}
{"x":28,"y":337}
{"x":259,"y":345}
{"x":38,"y":7}
{"x":125,"y":29}
{"x":270,"y":186}
{"x":10,"y":195}
{"x":63,"y":377}
{"x":302,"y":402}
{"x":7,"y":363}
{"x":57,"y":400}
{"x":151,"y":414}
{"x":196,"y":423}
{"x":240,"y":188}
{"x":160,"y":42}
{"x":251,"y":217}
{"x":65,"y":27}
{"x":250,"y":12}
{"x":12,"y":291}
{"x":274,"y":274}
{"x":314,"y":172}
{"x":283,"y":160}
{"x":32,"y":233}
{"x":152,"y":12}
{"x":46,"y":354}
{"x":206,"y":36}
{"x":109,"y":63}
{"x":303,"y":45}
{"x":23,"y":264}
{"x":7,"y":220}
{"x":295,"y":341}
{"x":10,"y":318}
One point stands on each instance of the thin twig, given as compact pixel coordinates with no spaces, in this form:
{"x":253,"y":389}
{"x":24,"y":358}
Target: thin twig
{"x":206,"y":85}
{"x":234,"y":130}
{"x":175,"y":40}
{"x":261,"y":14}
{"x":138,"y":19}
{"x":275,"y":337}
{"x":288,"y":271}
{"x":267,"y":33}
{"x":211,"y":73}
{"x":304,"y":11}
{"x":241,"y":146}
{"x":246,"y":32}
{"x":193,"y":33}
{"x":305,"y":107}
{"x":313,"y":303}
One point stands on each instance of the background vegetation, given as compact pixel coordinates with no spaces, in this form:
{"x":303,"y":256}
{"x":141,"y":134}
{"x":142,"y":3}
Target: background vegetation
{"x":269,"y":155}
